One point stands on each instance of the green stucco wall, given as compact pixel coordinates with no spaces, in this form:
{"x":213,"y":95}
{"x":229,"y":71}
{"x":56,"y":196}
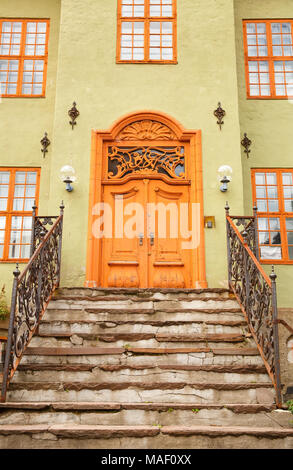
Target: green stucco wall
{"x":23,"y":121}
{"x":268,"y":124}
{"x":104,"y":91}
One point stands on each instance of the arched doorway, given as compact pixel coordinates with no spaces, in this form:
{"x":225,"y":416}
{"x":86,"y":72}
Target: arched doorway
{"x":146,"y":208}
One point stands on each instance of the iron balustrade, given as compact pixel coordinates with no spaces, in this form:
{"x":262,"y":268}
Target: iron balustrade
{"x":32,"y":290}
{"x":255,"y":292}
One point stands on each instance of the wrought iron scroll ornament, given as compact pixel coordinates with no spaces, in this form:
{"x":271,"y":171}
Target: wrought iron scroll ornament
{"x":45,"y":144}
{"x":246,"y":143}
{"x":220,"y":113}
{"x":73,"y":114}
{"x":256,"y":293}
{"x":31,"y":292}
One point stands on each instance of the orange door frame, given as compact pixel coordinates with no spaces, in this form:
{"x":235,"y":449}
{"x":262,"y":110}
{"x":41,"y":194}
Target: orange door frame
{"x":156,"y":126}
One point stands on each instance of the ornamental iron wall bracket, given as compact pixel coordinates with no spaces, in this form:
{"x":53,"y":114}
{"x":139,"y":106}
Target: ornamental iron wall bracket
{"x":45,"y":144}
{"x":73,"y":114}
{"x":246,"y":143}
{"x":220,"y":113}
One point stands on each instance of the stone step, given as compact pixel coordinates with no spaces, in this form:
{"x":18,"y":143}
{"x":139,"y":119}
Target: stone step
{"x":168,"y":306}
{"x":134,"y":293}
{"x":138,"y":391}
{"x":142,"y":357}
{"x":70,"y":326}
{"x":130,"y":414}
{"x":145,"y":375}
{"x":141,"y":340}
{"x":148,"y":317}
{"x":151,"y":437}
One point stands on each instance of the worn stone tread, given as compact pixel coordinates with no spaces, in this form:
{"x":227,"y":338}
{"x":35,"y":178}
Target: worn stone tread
{"x":221,"y":351}
{"x":80,"y":431}
{"x":158,"y":323}
{"x":160,"y":337}
{"x":156,"y":406}
{"x":143,"y":291}
{"x":77,"y":351}
{"x":98,"y":431}
{"x":232,"y":368}
{"x":151,"y":311}
{"x":77,"y":386}
{"x":227,"y":430}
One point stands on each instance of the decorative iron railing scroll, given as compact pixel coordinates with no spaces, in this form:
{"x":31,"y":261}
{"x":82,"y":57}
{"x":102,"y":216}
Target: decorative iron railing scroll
{"x":31,"y":292}
{"x":256,"y":294}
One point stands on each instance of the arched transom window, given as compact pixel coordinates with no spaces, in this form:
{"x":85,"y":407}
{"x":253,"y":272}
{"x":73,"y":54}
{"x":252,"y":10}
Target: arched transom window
{"x":146,"y":31}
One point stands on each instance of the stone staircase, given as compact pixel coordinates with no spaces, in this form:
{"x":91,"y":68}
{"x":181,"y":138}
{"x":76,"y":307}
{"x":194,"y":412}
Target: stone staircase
{"x":148,"y":368}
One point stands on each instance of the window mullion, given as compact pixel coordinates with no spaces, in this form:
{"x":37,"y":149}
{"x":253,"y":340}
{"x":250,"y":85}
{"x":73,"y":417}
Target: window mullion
{"x":271,"y":60}
{"x":9,"y":214}
{"x":21,"y":58}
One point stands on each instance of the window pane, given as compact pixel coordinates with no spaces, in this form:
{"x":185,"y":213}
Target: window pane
{"x":275,"y":238}
{"x":287,"y":178}
{"x":289,"y":206}
{"x":260,"y":178}
{"x":272,"y":192}
{"x":290,"y":249}
{"x":263,"y":223}
{"x":289,"y":224}
{"x":25,"y":251}
{"x":271,"y":178}
{"x":262,"y":205}
{"x":264,"y":238}
{"x":273,"y":206}
{"x":274,"y":223}
{"x":4,"y":177}
{"x":261,"y":192}
{"x":288,"y":192}
{"x":290,"y":238}
{"x":269,"y":252}
{"x":14,"y":251}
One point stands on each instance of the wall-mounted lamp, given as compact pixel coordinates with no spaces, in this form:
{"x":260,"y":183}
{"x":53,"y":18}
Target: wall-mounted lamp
{"x":67,"y":176}
{"x":224,"y":176}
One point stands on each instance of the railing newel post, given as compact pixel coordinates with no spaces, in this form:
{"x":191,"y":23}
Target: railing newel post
{"x":60,"y":241}
{"x":32,"y":246}
{"x":273,"y":278}
{"x":227,"y":208}
{"x":8,"y":348}
{"x":256,"y":247}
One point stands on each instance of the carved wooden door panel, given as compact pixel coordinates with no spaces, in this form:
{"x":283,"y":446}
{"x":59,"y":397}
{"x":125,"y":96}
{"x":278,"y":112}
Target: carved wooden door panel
{"x":169,"y":262}
{"x":124,"y":254}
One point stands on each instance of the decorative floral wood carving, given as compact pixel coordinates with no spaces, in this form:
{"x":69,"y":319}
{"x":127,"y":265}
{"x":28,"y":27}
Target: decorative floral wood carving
{"x":145,"y":160}
{"x":146,"y":130}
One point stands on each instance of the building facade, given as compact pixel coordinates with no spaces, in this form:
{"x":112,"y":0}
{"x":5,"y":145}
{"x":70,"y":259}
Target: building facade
{"x":147,"y":76}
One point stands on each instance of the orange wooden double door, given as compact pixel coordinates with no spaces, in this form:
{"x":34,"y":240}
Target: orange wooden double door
{"x":146,"y":221}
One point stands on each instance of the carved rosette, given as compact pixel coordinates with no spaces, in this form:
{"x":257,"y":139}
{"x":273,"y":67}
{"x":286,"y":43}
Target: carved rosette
{"x":146,"y":130}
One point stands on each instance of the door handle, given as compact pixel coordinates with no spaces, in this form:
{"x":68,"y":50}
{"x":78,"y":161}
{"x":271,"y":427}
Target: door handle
{"x":140,"y":236}
{"x":152,"y":237}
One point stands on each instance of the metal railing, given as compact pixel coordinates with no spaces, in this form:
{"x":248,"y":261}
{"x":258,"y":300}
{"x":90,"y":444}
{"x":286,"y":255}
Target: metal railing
{"x":32,"y":290}
{"x":255,"y":291}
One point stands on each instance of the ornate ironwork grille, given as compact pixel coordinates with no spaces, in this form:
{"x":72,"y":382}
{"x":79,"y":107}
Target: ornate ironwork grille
{"x":256,"y":293}
{"x":32,"y":291}
{"x":169,"y":161}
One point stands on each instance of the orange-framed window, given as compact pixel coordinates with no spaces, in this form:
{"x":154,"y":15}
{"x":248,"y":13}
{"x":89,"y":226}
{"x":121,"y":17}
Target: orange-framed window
{"x":23,"y":57}
{"x":19,"y":188}
{"x":268,"y":46}
{"x":147,"y":31}
{"x":273,"y":193}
